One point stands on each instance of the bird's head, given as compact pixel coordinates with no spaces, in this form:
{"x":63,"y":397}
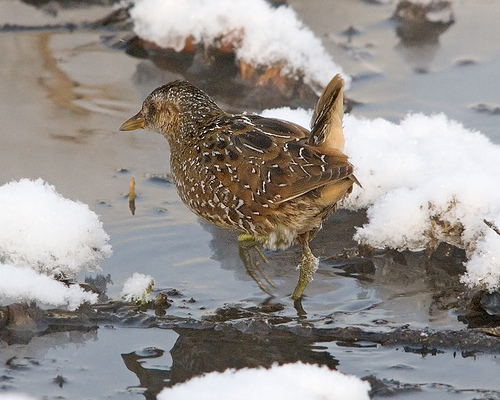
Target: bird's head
{"x":172,"y":110}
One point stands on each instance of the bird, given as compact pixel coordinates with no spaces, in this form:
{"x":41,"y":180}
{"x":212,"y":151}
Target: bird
{"x":272,"y":180}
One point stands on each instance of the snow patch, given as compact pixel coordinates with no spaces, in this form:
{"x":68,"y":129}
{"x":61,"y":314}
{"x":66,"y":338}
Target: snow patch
{"x":298,"y":381}
{"x":261,"y":35}
{"x":44,"y":231}
{"x":426,"y":180}
{"x":24,"y":284}
{"x":43,"y":235}
{"x":137,"y":288}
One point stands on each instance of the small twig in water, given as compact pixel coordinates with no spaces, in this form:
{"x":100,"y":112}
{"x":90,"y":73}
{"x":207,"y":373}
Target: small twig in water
{"x":131,"y":196}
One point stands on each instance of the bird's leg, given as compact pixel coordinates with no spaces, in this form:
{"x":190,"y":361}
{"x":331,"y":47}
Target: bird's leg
{"x":250,"y":253}
{"x":308,"y":265}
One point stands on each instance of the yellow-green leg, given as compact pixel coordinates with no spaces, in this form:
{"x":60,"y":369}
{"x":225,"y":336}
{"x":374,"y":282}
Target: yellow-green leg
{"x":307,"y":267}
{"x":250,"y":253}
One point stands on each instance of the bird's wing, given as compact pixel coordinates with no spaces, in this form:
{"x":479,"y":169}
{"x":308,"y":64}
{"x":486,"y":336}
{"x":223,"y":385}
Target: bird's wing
{"x":270,"y":161}
{"x":265,"y":135}
{"x":307,"y":169}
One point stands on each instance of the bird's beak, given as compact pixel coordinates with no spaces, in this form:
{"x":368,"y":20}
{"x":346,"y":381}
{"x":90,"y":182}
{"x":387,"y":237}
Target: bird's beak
{"x":133,"y":123}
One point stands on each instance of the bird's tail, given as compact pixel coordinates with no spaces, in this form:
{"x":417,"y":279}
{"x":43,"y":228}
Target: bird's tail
{"x":326,"y":124}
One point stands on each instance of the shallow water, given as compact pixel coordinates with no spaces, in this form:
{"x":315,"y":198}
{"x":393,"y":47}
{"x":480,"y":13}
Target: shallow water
{"x":63,"y":96}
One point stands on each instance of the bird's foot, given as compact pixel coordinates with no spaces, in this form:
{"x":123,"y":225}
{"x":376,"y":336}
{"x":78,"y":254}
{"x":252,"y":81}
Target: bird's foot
{"x":251,"y":253}
{"x":307,"y":267}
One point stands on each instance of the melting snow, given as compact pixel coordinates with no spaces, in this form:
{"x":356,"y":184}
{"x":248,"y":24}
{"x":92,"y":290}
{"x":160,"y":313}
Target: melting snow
{"x":425,"y":180}
{"x":297,"y":381}
{"x":44,"y":234}
{"x":262,"y":36}
{"x":24,"y":284}
{"x":137,"y":288}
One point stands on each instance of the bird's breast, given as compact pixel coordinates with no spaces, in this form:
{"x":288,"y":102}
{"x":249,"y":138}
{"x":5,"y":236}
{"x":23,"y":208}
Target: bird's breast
{"x":211,"y":189}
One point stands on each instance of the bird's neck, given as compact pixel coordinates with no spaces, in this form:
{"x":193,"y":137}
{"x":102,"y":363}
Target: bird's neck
{"x":192,"y":126}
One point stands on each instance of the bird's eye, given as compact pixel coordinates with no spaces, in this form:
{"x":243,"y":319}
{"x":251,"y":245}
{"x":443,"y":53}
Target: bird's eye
{"x":152,"y":108}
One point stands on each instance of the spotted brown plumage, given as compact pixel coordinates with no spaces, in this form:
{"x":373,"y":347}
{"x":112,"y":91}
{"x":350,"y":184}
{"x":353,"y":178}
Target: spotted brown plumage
{"x":271,"y":180}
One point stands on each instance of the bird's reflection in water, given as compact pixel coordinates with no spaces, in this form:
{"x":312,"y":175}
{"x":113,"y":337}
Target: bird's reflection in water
{"x":150,"y":379}
{"x":419,"y":27}
{"x":199,"y":351}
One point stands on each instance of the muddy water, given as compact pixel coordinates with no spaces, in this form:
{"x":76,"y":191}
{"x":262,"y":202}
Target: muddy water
{"x":64,"y":93}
